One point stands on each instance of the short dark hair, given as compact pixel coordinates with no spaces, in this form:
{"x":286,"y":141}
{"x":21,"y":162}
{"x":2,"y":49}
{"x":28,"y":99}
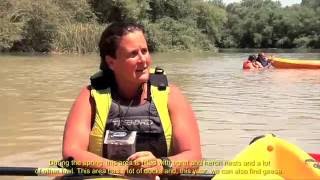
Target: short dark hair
{"x":110,"y":38}
{"x":252,"y":58}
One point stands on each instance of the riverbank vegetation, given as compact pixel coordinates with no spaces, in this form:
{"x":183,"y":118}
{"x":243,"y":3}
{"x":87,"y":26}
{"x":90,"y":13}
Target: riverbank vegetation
{"x":74,"y":26}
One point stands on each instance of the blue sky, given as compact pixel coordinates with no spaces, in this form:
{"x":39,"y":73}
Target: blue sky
{"x":283,"y":2}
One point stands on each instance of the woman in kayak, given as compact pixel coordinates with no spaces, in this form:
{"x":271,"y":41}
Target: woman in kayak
{"x":263,"y":60}
{"x":123,"y":98}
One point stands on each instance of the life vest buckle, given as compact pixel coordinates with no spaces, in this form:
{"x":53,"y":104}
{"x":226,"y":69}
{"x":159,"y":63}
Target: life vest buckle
{"x":158,"y":70}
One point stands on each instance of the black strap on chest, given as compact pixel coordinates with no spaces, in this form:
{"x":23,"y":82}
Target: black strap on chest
{"x":100,"y":80}
{"x":159,"y":79}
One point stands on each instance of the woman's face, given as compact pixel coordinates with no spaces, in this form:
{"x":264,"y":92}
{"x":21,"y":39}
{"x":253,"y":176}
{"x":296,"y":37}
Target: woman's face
{"x":132,"y":62}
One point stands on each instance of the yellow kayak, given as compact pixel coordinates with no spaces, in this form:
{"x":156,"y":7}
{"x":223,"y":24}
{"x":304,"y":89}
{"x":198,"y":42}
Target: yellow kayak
{"x":271,"y":158}
{"x":295,"y":64}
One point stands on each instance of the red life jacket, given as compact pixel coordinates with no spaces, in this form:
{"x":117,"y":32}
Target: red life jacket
{"x":246,"y":64}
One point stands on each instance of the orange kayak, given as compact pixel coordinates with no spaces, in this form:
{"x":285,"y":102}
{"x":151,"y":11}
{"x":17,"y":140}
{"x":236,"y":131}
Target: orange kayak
{"x":295,"y":64}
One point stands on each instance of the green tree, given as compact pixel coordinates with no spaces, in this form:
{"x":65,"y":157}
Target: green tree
{"x":11,"y":27}
{"x":251,"y":23}
{"x":311,"y":3}
{"x":75,"y":11}
{"x":120,"y":10}
{"x":210,"y":20}
{"x":37,"y":21}
{"x":175,"y":9}
{"x":169,"y":34}
{"x":75,"y":25}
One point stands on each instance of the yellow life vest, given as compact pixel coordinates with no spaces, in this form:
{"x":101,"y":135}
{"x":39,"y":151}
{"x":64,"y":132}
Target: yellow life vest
{"x":102,"y":98}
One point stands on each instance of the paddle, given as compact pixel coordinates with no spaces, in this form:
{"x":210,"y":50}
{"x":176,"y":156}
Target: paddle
{"x":52,"y":171}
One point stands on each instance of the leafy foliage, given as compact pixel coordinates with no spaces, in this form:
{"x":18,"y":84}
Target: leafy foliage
{"x":265,"y":24}
{"x":75,"y":25}
{"x":176,"y":35}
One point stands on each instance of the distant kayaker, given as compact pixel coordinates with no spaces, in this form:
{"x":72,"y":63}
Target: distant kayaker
{"x":125,"y":97}
{"x":265,"y":62}
{"x":251,"y":63}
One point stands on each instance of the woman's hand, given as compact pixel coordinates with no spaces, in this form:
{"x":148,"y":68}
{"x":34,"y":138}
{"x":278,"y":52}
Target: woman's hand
{"x":119,"y":169}
{"x":146,"y":162}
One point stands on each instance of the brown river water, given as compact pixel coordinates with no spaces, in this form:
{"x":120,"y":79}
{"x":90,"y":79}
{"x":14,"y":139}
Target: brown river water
{"x":232,"y":106}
